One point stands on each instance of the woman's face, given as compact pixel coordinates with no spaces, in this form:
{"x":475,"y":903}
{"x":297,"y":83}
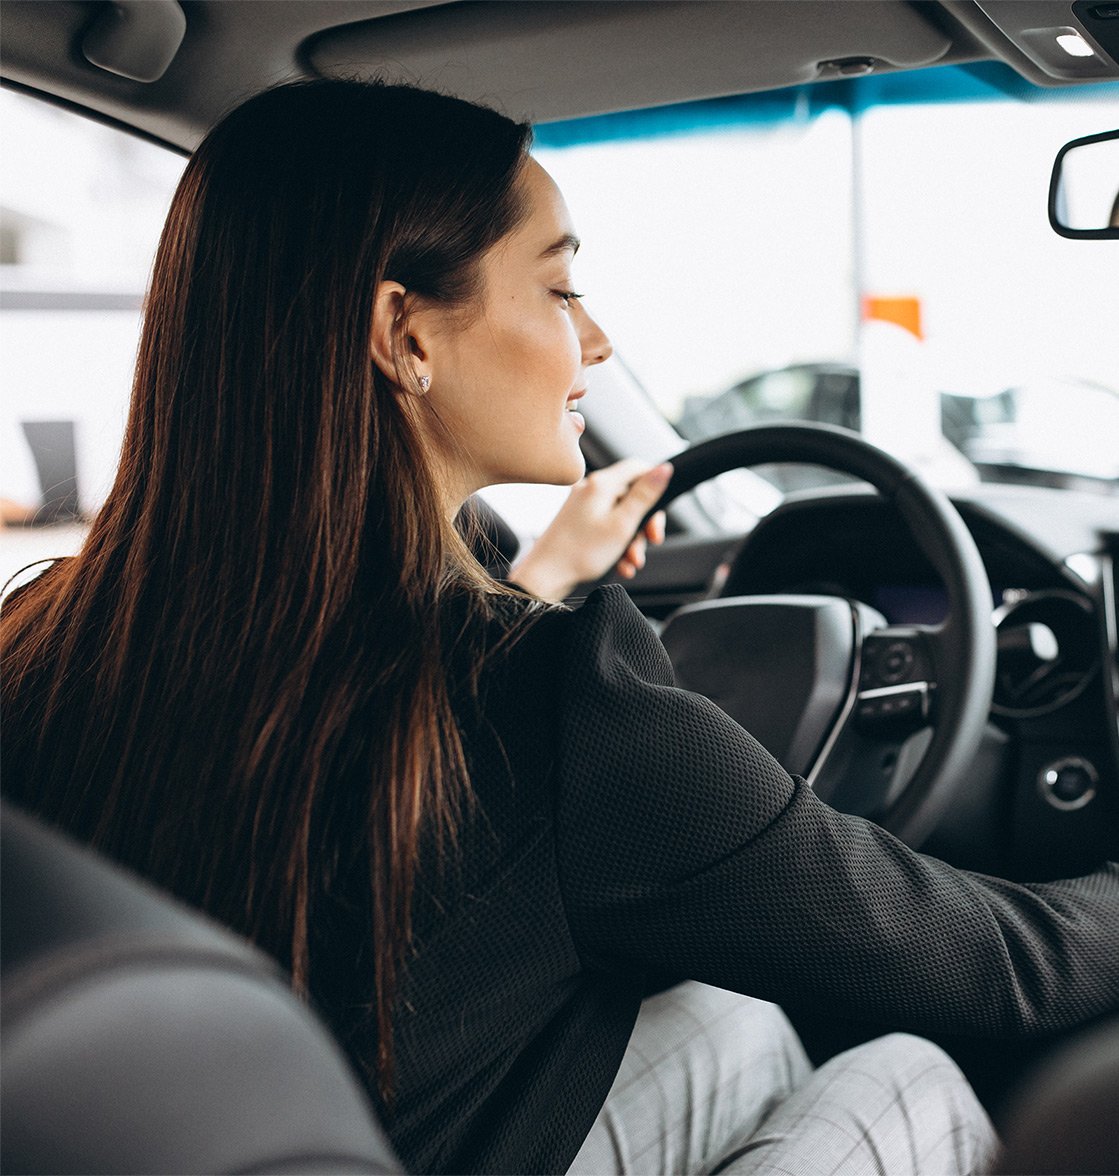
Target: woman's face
{"x":505,"y":381}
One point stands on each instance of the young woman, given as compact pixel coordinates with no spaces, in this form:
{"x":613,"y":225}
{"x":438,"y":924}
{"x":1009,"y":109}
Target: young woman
{"x":473,"y":826}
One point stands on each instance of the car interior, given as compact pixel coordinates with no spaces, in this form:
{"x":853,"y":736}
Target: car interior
{"x":945,"y":664}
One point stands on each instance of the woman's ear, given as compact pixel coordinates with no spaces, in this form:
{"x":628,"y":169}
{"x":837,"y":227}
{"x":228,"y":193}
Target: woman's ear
{"x":396,"y":363}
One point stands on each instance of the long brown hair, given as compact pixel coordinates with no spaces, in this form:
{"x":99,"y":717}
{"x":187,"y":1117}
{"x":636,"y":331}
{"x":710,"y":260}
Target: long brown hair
{"x":244,"y":664}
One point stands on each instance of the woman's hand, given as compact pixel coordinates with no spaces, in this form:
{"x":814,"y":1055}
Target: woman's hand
{"x":596,"y":529}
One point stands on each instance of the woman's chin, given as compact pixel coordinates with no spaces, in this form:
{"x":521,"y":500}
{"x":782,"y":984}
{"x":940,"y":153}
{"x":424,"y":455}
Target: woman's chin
{"x":561,"y":464}
{"x":561,"y":474}
{"x":575,"y":468}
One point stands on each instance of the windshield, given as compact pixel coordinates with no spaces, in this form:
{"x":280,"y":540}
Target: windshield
{"x":872,"y":253}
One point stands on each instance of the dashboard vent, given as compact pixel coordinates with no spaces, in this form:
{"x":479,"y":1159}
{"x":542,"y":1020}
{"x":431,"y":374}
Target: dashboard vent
{"x":1048,"y":652}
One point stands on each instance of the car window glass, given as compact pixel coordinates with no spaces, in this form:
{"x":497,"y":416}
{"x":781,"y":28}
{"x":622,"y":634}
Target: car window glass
{"x":81,"y":209}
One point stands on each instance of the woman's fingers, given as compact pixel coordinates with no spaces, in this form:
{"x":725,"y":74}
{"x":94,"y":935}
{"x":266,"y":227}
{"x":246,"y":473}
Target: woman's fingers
{"x":633,"y":559}
{"x":641,"y":493}
{"x":598,"y":528}
{"x":654,"y":528}
{"x":645,"y":489}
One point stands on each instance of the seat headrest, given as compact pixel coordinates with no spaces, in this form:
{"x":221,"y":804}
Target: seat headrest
{"x":139,"y":1037}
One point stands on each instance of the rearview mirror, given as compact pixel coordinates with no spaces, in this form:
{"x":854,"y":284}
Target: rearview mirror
{"x":1084,"y":190}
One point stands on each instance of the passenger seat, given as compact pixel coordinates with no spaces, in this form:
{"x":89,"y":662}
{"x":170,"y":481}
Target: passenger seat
{"x":138,"y":1037}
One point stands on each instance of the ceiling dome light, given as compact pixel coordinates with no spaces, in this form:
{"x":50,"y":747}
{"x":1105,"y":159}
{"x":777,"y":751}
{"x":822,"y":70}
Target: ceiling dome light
{"x":1075,"y":45}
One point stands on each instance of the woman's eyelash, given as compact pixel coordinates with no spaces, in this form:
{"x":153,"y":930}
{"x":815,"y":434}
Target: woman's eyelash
{"x":567,"y":295}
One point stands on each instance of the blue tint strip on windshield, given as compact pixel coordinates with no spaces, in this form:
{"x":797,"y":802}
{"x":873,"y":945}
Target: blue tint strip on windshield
{"x":970,"y":83}
{"x":797,"y":103}
{"x":979,"y":81}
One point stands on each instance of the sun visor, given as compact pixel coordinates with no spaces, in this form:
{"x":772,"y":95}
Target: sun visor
{"x":646,"y":50}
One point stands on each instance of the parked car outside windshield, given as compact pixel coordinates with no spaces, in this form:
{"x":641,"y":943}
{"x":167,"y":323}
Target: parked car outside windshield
{"x":1028,"y":435}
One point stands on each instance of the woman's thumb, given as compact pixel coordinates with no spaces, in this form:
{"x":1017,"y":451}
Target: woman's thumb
{"x":644,"y":491}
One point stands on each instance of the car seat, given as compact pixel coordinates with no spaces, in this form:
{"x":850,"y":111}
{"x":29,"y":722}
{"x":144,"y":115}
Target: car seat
{"x":1063,"y":1119}
{"x":139,"y":1037}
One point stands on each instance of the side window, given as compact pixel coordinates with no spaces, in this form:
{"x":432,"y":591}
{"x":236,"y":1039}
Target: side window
{"x":81,"y":209}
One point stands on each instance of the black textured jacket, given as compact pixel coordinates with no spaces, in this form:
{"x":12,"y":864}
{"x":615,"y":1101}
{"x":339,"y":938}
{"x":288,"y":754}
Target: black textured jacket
{"x":626,"y":827}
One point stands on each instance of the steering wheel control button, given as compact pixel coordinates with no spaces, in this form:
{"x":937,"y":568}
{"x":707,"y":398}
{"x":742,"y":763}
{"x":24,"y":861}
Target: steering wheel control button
{"x":893,"y":705}
{"x":891,"y":661}
{"x":895,"y":662}
{"x":1068,"y":783}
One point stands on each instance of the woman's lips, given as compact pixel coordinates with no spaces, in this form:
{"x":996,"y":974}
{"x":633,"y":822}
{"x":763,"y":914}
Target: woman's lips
{"x":576,"y":417}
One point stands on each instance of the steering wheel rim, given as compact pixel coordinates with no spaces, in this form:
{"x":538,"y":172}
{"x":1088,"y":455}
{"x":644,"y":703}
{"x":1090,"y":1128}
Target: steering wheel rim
{"x":964,"y":643}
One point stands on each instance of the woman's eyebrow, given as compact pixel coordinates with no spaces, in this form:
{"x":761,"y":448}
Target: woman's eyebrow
{"x":567,"y":241}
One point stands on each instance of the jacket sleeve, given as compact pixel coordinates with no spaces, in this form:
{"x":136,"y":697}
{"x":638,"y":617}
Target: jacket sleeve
{"x":683,"y":846}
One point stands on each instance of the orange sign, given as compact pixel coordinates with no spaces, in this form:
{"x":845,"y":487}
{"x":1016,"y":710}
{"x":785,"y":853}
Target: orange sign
{"x":905,"y":312}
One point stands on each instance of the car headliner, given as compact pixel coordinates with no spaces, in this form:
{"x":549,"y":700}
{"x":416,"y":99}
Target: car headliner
{"x":535,"y":59}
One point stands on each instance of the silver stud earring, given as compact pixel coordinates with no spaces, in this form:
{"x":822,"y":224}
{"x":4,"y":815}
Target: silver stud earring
{"x":425,"y":383}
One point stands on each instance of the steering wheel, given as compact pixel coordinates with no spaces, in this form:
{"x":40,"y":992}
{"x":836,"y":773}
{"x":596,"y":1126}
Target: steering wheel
{"x":883,"y":720}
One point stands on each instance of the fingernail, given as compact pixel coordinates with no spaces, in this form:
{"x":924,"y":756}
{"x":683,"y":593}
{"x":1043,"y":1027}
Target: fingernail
{"x":663,"y":472}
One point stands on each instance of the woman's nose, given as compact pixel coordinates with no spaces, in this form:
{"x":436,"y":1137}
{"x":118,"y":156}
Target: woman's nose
{"x":596,"y":343}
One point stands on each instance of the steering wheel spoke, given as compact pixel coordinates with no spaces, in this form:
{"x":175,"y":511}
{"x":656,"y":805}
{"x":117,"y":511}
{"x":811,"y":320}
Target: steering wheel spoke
{"x":869,"y":764}
{"x":879,"y":737}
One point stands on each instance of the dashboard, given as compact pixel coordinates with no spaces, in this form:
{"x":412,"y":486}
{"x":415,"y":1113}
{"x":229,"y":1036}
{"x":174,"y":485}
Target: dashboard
{"x":1042,"y":799}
